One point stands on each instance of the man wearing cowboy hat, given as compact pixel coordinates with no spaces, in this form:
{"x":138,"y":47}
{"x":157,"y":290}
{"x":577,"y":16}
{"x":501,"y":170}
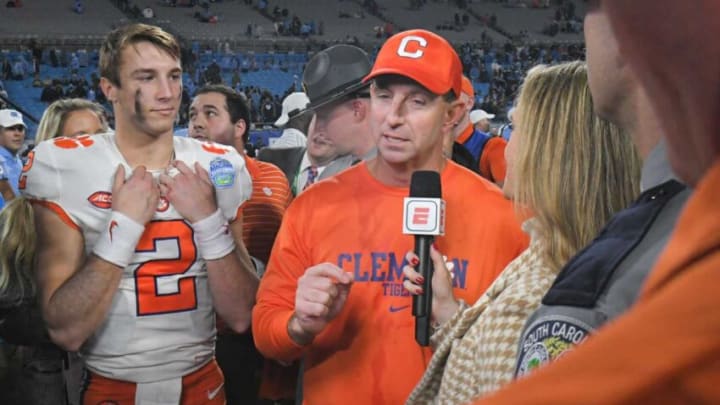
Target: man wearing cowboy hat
{"x":340,"y":98}
{"x":340,"y":101}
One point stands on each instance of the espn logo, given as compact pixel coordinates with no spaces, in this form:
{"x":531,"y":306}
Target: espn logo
{"x":420,"y":216}
{"x":424,"y":216}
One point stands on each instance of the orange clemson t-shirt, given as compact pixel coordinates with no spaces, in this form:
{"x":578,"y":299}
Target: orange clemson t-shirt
{"x":368,"y":353}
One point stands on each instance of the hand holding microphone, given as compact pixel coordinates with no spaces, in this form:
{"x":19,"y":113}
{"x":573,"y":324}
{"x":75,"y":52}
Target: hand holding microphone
{"x":444,"y":304}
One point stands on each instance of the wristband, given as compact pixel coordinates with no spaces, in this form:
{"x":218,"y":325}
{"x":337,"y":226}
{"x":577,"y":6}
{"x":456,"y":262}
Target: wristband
{"x":117,"y":244}
{"x":213,"y":236}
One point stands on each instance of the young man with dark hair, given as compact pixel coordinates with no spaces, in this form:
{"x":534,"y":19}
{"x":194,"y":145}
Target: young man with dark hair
{"x":220,"y":114}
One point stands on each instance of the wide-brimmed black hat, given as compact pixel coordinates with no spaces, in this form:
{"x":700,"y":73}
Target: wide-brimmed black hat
{"x":333,"y":73}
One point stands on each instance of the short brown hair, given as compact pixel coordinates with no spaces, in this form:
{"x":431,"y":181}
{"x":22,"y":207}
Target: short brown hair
{"x":120,"y":38}
{"x":236,"y":104}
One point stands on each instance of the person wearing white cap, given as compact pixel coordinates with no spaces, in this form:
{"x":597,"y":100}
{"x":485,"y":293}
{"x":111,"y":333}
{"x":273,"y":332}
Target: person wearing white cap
{"x":481,"y":120}
{"x":294,"y":122}
{"x":12,"y":136}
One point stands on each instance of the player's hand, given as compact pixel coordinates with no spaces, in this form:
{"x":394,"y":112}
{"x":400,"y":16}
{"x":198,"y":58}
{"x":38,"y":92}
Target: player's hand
{"x":321,"y":294}
{"x":444,"y":303}
{"x":137,"y":197}
{"x":190,"y":192}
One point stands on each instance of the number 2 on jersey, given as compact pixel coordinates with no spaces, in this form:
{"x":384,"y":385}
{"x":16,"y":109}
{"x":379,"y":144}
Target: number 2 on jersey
{"x":149,"y":300}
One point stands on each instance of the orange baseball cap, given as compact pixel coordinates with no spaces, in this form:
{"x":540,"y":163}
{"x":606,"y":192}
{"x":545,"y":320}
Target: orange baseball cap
{"x":422,"y":56}
{"x":467,"y":87}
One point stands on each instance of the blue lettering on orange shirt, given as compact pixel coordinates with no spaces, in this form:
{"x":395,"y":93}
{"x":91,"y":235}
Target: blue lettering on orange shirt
{"x":378,"y":258}
{"x":386,"y":268}
{"x":460,"y":271}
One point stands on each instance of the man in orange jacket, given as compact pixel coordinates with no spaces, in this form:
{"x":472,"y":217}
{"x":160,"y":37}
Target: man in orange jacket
{"x":665,"y":350}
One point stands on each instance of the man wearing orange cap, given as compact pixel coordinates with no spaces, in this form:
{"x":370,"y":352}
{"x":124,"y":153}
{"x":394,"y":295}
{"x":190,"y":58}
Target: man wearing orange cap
{"x":487,"y":150}
{"x":333,"y":293}
{"x":451,"y":147}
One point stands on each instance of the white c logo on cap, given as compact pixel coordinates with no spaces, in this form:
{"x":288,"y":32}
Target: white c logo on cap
{"x":402,"y":49}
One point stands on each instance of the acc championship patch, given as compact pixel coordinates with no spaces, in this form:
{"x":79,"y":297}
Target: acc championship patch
{"x":222,"y":173}
{"x":546,"y":340}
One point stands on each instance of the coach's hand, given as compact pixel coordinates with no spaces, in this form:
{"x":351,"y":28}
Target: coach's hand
{"x":321,"y":295}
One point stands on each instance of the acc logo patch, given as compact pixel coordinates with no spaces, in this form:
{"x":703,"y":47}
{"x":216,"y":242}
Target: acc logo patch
{"x":101,"y":199}
{"x":222,"y":173}
{"x":546,"y":340}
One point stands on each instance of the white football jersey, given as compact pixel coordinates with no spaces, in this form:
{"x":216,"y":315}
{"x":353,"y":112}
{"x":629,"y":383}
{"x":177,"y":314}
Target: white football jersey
{"x":161,"y":323}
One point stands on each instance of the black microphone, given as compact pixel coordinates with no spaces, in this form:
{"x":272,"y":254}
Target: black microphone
{"x":424,"y":217}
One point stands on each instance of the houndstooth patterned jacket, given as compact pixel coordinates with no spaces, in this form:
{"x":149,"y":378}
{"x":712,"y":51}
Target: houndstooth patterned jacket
{"x":475,"y":351}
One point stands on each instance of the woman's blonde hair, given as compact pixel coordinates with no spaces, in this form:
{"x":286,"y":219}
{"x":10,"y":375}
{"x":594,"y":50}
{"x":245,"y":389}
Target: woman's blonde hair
{"x":17,"y":250}
{"x":54,"y":118}
{"x":574,"y":170}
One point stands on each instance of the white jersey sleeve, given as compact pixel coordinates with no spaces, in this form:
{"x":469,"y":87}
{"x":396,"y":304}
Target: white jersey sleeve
{"x":42,"y":178}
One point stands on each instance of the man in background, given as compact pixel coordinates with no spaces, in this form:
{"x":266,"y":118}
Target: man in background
{"x":340,"y":99}
{"x":492,"y":164}
{"x":221,"y":115}
{"x":665,"y":349}
{"x":294,"y":121}
{"x":472,"y":133}
{"x":12,"y":136}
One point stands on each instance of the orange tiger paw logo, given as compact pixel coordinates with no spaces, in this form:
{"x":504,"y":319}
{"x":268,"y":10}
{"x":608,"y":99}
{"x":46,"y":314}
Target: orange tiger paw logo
{"x":212,"y":148}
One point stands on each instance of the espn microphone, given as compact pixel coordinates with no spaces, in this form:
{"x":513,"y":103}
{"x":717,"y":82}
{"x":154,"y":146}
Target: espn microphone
{"x":424,"y":217}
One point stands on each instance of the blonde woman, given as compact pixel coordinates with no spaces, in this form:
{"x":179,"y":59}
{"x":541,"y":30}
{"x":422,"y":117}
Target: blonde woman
{"x":71,"y":117}
{"x":21,"y":322}
{"x":568,"y":172}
